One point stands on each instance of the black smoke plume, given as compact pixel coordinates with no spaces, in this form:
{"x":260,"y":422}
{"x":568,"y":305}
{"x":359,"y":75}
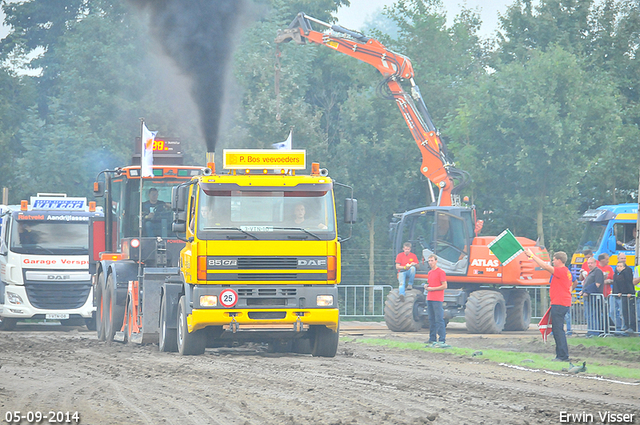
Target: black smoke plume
{"x":199,"y":35}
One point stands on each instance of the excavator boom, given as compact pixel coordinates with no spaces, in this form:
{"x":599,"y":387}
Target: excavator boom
{"x":395,"y":68}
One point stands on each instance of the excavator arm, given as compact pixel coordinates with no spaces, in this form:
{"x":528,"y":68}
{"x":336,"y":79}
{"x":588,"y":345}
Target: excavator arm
{"x":394,"y":67}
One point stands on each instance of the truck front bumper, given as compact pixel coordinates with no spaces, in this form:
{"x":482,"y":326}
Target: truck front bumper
{"x":18,"y":306}
{"x":264,"y":319}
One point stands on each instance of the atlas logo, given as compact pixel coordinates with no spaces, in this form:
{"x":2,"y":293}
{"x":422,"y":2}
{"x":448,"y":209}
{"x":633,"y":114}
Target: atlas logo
{"x":485,"y":263}
{"x":312,"y":262}
{"x":58,"y":277}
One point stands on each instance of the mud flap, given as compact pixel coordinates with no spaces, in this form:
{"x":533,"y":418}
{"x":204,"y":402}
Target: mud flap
{"x":172,"y":292}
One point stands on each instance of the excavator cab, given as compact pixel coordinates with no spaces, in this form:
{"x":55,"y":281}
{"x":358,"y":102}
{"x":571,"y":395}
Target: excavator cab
{"x":446,"y":232}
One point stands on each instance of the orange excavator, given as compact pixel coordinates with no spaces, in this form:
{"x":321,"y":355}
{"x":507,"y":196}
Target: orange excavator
{"x":490,"y":295}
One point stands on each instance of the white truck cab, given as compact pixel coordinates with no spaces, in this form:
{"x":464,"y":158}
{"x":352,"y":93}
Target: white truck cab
{"x":44,"y":261}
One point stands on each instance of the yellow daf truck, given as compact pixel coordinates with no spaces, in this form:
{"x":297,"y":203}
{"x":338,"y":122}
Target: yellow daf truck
{"x":260,"y":262}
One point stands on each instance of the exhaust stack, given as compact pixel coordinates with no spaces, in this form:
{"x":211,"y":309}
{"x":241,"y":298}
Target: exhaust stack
{"x":210,"y":161}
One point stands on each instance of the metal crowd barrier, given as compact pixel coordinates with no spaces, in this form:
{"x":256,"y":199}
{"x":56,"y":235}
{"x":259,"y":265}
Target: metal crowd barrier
{"x":361,"y":301}
{"x":598,"y":315}
{"x":591,"y":314}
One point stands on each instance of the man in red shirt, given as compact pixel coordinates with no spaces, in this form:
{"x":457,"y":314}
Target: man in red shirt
{"x":603,"y":264}
{"x":435,"y":286}
{"x":406,"y":263}
{"x":560,"y":295}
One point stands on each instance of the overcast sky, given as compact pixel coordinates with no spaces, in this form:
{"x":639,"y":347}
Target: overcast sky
{"x":361,"y":10}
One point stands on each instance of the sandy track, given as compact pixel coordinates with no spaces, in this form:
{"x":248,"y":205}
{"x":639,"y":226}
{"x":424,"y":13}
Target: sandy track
{"x":52,"y":369}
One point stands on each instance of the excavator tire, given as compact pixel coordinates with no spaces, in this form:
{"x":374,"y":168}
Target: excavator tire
{"x":485,"y":312}
{"x":401,"y":316}
{"x":518,"y":310}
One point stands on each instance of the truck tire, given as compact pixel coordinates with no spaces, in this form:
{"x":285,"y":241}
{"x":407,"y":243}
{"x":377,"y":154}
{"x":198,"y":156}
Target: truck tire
{"x":302,"y":346}
{"x":280,"y":346}
{"x":518,"y":310}
{"x":402,"y":316}
{"x":100,"y":316}
{"x":90,"y":323}
{"x":485,"y":312}
{"x":189,"y":344}
{"x":168,"y":339}
{"x":114,"y":313}
{"x":325,"y":342}
{"x":7,"y":323}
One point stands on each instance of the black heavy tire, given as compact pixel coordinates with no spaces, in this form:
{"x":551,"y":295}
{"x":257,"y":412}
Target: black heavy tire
{"x":280,"y":346}
{"x":401,"y":316}
{"x":302,"y":346}
{"x":325,"y":342}
{"x":8,"y":323}
{"x":518,"y":310}
{"x":114,"y":313}
{"x":168,"y":338}
{"x":100,"y":316}
{"x":485,"y":312}
{"x":189,"y":344}
{"x":90,"y":323}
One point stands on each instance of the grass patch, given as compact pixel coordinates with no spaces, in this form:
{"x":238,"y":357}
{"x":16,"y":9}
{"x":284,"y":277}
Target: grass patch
{"x":613,"y":342}
{"x":531,"y":360}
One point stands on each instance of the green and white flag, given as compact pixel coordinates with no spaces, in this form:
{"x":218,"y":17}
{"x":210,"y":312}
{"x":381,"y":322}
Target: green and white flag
{"x":506,"y":247}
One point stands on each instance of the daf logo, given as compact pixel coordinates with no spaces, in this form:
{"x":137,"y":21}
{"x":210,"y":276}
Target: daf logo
{"x":58,"y":277}
{"x":312,"y":262}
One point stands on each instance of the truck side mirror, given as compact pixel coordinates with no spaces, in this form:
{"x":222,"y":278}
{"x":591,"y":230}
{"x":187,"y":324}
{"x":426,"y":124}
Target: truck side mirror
{"x":350,"y":210}
{"x":179,"y":198}
{"x":98,"y":189}
{"x":179,"y":224}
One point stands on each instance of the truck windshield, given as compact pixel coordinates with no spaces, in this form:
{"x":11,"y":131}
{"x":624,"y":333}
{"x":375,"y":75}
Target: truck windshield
{"x":50,"y":238}
{"x":591,"y":237}
{"x":266,"y":214}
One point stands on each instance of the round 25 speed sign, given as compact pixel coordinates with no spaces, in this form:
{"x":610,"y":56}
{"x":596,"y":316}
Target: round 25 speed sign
{"x":228,"y":298}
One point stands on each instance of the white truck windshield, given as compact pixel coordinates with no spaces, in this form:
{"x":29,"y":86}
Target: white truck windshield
{"x":50,"y":237}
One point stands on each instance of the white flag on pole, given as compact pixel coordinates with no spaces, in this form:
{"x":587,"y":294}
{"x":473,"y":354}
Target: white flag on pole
{"x":147,"y":151}
{"x":286,"y":145}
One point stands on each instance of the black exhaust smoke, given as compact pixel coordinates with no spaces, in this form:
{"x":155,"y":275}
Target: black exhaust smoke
{"x":199,"y":36}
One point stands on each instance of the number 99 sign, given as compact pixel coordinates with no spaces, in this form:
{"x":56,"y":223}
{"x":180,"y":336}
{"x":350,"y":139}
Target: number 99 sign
{"x":228,"y":298}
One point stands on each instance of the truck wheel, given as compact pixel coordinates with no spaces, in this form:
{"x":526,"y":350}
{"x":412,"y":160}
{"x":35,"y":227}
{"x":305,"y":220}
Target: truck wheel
{"x":114,"y":313}
{"x":519,"y":313}
{"x":8,"y":323}
{"x":325,"y":343}
{"x":280,"y":346}
{"x":100,"y":316}
{"x":168,"y":339}
{"x":189,"y":344}
{"x":302,"y":346}
{"x":485,"y":312}
{"x":90,"y":323}
{"x":403,"y":316}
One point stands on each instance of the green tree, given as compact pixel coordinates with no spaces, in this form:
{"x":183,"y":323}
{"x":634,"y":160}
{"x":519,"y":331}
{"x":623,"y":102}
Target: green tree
{"x":528,"y":131}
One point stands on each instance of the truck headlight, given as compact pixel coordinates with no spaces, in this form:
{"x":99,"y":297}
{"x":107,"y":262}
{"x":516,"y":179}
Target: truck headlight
{"x":14,"y":298}
{"x":324,"y":300}
{"x":208,"y":300}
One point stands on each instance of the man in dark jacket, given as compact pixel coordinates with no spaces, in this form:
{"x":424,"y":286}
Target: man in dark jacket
{"x":623,"y":290}
{"x":593,"y":299}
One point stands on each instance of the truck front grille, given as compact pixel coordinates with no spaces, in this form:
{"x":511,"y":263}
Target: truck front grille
{"x":267,"y":263}
{"x":58,"y":296}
